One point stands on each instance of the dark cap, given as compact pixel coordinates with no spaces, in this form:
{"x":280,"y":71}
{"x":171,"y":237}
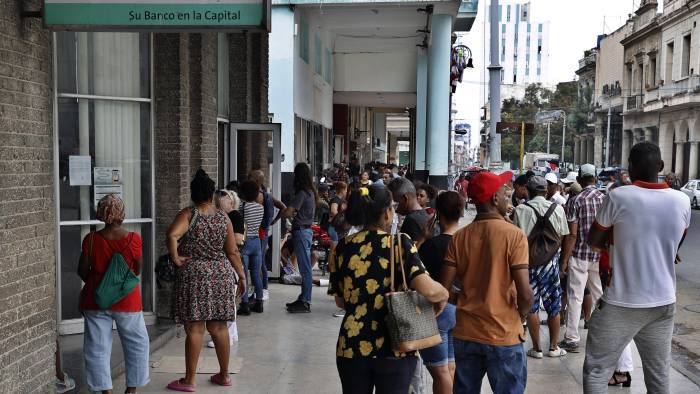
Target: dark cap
{"x":537,"y":184}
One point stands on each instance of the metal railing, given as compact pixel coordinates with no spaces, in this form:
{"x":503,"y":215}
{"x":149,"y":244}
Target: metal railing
{"x":633,"y":102}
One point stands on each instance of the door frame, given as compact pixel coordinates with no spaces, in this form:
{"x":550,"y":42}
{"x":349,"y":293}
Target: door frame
{"x":276,"y":173}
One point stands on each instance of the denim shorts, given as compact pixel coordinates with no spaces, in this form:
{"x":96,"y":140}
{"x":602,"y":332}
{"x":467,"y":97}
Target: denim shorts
{"x":443,"y":353}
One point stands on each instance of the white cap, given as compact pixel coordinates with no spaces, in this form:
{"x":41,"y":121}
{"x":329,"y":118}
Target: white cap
{"x":551,"y":177}
{"x":570,"y":178}
{"x":587,"y":170}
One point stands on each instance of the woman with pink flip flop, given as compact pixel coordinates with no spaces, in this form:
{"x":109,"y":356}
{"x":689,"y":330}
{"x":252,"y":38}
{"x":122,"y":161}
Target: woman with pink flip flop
{"x":209,"y":266}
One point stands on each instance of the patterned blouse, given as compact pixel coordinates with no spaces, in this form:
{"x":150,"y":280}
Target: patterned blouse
{"x":360,"y":274}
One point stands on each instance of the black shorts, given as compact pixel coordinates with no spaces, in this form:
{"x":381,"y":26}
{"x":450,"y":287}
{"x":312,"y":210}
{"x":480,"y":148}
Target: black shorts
{"x":387,"y":375}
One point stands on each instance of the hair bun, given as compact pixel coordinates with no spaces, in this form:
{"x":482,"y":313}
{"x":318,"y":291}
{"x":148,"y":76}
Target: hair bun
{"x":201,"y":174}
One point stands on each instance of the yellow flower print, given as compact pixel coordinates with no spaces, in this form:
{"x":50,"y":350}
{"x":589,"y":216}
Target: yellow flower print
{"x":354,"y":261}
{"x":359,"y":237}
{"x":339,"y":261}
{"x":362,"y":268}
{"x":379,"y":302}
{"x":372,"y":286}
{"x":354,"y":295}
{"x":366,"y":348}
{"x":347,"y":295}
{"x":387,"y":282}
{"x":341,"y":346}
{"x":348,"y":353}
{"x":365,"y":250}
{"x":380,"y":342}
{"x":360,"y":311}
{"x":347,"y":284}
{"x":384,"y":262}
{"x":375,"y":325}
{"x":386,"y":242}
{"x":414,"y":269}
{"x":399,"y":355}
{"x":414,"y":249}
{"x":353,"y":327}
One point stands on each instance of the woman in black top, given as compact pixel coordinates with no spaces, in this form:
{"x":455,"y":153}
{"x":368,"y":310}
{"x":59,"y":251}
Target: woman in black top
{"x":360,"y":279}
{"x":440,"y":359}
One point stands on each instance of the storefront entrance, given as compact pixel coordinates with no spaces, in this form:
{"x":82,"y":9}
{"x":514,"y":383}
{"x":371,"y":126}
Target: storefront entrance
{"x":257,"y":146}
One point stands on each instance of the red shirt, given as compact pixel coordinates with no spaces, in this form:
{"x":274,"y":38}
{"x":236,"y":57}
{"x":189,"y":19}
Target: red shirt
{"x":102,"y":250}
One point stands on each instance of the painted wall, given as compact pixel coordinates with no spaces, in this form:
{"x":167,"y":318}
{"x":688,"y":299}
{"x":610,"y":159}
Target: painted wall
{"x":376,"y":72}
{"x":281,"y":93}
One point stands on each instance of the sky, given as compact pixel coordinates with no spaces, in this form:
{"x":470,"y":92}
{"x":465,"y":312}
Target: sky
{"x":574,"y":26}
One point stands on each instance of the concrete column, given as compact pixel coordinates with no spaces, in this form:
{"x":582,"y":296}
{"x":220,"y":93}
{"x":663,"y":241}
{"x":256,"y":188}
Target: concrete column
{"x":577,"y":152}
{"x":439,"y":99}
{"x":598,"y":149}
{"x":590,"y":155}
{"x":421,"y":114}
{"x":584,"y":150}
{"x":281,"y":92}
{"x":666,"y":146}
{"x":693,"y":162}
{"x":679,"y":159}
{"x":625,"y":148}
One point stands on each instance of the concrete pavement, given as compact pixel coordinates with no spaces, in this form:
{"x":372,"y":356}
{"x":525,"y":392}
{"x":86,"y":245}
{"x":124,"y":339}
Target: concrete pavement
{"x":285,"y":353}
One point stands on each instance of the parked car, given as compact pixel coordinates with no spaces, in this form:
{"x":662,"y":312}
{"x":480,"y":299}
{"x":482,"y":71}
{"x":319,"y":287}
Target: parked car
{"x":692,"y":190}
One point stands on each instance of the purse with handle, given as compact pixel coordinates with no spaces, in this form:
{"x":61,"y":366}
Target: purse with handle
{"x":411,"y":319}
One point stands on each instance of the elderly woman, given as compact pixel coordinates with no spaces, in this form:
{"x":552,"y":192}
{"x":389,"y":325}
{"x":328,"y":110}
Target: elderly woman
{"x":127,"y":313}
{"x":205,"y":289}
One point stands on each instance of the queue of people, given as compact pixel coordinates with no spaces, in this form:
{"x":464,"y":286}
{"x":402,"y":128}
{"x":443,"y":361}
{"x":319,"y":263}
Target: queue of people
{"x":536,"y":242}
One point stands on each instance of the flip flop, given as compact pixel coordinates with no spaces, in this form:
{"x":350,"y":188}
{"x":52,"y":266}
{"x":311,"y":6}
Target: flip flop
{"x":178,"y":385}
{"x":218,"y":379}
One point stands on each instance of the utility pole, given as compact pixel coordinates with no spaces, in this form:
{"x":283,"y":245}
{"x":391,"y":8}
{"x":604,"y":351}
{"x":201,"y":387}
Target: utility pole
{"x":563,"y":139}
{"x":494,"y":86}
{"x":607,"y":137}
{"x":548,"y":124}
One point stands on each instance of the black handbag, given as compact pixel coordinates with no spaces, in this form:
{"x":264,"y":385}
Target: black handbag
{"x":166,"y":270}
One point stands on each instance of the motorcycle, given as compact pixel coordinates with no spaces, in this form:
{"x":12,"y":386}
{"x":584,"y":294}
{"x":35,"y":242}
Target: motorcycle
{"x":320,"y":247}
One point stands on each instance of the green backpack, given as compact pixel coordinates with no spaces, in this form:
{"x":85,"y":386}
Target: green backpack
{"x":117,"y":282}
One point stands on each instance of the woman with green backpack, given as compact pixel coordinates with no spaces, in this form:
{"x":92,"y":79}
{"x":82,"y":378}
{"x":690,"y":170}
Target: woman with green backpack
{"x":110,"y":261}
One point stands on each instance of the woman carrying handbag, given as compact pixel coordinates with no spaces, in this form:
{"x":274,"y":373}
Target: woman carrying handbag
{"x":96,"y":259}
{"x":369,"y":355}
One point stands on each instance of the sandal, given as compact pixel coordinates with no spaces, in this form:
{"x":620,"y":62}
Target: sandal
{"x":218,"y":379}
{"x":179,"y":385}
{"x":624,"y":381}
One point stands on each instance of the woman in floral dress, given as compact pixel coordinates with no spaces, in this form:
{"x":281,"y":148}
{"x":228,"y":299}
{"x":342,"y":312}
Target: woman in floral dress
{"x":209,"y":266}
{"x":360,"y":279}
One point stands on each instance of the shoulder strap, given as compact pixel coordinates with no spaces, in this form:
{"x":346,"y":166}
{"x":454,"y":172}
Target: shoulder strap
{"x":193,"y":219}
{"x":527,"y":204}
{"x":550,"y":211}
{"x":92,"y":241}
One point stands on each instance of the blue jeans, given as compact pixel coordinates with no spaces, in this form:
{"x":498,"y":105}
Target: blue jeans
{"x":443,"y":353}
{"x":332,"y":233}
{"x":97,"y":348}
{"x":506,"y":367}
{"x":252,"y":260}
{"x":263,"y":267}
{"x":301,"y":240}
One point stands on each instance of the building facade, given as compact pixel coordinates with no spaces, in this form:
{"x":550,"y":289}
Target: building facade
{"x":83,"y":114}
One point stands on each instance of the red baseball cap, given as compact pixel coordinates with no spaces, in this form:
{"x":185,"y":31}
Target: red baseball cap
{"x":485,"y":184}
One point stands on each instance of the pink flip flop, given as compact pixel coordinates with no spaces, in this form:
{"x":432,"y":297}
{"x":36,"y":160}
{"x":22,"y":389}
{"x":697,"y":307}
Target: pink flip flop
{"x":218,"y":379}
{"x":178,"y":385}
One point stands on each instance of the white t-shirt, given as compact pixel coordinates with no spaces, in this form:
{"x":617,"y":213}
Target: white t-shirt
{"x":648,"y":221}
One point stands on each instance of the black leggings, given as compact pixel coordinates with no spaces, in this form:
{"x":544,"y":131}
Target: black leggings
{"x":388,"y":376}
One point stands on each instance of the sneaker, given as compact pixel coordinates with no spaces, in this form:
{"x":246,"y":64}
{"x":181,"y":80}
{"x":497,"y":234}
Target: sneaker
{"x":257,"y":306}
{"x":300,"y":307}
{"x":571,"y":347}
{"x":293,"y":303}
{"x":266,"y":295}
{"x":65,"y":385}
{"x":210,"y":344}
{"x":535,"y":353}
{"x":558,"y":352}
{"x":244,"y":309}
{"x":339,"y":313}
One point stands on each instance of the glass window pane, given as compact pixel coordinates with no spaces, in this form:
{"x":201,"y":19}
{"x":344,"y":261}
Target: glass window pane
{"x":114,"y":134}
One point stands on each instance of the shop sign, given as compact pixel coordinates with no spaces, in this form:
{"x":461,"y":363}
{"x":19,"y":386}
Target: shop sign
{"x":145,"y":15}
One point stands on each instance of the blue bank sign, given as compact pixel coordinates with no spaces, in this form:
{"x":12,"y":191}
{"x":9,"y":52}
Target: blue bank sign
{"x":143,"y":15}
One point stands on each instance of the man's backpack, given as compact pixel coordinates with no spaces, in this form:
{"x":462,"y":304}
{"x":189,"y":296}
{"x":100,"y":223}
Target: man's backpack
{"x":543,"y":241}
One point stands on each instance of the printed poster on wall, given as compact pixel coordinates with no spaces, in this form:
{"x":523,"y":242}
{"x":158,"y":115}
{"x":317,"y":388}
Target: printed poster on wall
{"x":79,"y":170}
{"x":108,"y":180}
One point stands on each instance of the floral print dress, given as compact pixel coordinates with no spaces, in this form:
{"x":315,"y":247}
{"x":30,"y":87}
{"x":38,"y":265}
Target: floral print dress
{"x":361,"y":275}
{"x":205,"y":288}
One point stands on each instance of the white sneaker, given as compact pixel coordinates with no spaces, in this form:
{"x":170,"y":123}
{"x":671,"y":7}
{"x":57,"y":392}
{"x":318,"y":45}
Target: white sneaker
{"x":210,"y":344}
{"x":534,"y":354}
{"x":339,"y":313}
{"x":266,"y":295}
{"x":558,"y":352}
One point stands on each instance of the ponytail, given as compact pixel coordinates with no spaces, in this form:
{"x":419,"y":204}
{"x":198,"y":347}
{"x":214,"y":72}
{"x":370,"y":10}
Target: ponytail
{"x":367,"y":204}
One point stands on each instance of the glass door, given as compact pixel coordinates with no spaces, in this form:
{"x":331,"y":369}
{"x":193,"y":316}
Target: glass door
{"x":257,"y":146}
{"x":103,"y":144}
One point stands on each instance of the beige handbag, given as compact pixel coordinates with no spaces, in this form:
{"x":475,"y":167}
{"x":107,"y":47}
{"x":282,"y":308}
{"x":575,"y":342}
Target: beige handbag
{"x":411,"y":318}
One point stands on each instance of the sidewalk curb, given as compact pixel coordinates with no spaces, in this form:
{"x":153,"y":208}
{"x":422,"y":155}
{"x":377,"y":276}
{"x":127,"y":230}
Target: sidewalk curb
{"x":680,"y":357}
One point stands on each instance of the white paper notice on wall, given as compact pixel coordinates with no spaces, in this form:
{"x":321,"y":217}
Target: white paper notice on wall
{"x":108,"y":175}
{"x":103,"y":190}
{"x":79,"y":170}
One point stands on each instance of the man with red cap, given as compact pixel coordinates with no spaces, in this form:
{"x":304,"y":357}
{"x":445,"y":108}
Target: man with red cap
{"x":489,"y":259}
